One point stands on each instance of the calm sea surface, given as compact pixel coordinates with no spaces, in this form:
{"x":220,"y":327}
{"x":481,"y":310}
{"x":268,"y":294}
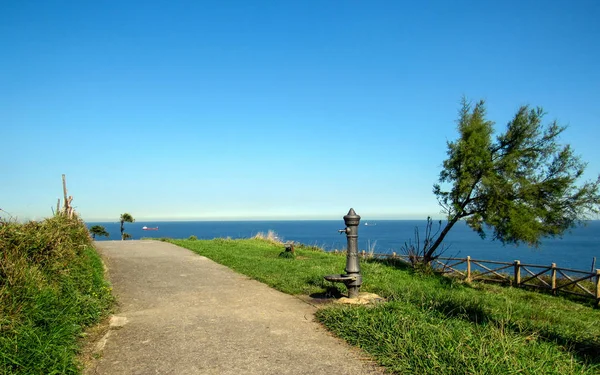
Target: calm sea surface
{"x":575,"y":250}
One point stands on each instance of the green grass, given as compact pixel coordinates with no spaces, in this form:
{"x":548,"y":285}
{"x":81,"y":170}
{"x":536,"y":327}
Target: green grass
{"x":51,"y":287}
{"x":260,"y":260}
{"x":431,"y":324}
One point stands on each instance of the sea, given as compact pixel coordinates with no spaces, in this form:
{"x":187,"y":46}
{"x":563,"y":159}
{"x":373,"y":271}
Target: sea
{"x":578,"y":248}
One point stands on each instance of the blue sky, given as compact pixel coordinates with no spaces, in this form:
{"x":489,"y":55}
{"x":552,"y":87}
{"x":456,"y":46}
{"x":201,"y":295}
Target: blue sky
{"x":273,"y":109}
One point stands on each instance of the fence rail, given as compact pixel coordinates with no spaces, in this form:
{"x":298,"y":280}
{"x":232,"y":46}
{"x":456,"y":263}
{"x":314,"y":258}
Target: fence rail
{"x":552,"y":278}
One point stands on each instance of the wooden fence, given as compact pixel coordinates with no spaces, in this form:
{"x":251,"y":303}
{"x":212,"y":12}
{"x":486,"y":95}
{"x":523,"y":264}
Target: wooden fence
{"x":551,"y":278}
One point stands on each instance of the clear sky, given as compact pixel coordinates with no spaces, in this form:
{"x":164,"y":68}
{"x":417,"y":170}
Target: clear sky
{"x":273,"y":109}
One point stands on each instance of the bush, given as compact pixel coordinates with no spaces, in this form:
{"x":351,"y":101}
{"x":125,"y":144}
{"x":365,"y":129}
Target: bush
{"x":287,"y":255}
{"x":51,"y":286}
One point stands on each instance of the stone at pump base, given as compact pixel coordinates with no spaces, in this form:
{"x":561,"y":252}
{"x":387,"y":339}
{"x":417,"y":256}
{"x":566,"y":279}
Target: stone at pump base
{"x":362,"y":299}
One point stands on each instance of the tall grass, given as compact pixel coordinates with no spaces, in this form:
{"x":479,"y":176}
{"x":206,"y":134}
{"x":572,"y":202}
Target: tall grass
{"x":409,"y":340}
{"x":51,"y":286}
{"x":271,"y":236}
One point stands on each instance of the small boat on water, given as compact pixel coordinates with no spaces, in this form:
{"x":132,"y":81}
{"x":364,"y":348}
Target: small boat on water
{"x":149,"y":228}
{"x":370,"y":225}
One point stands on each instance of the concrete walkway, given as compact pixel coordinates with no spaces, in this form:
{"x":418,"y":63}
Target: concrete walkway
{"x":181,"y":313}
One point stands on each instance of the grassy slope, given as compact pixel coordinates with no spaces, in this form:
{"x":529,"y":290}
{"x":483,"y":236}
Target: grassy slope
{"x":51,"y":286}
{"x":431,"y":324}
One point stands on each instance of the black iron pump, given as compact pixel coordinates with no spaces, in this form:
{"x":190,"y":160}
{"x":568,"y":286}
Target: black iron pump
{"x":352,"y":278}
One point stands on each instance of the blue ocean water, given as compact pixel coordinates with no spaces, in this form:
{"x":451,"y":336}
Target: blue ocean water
{"x":575,"y":250}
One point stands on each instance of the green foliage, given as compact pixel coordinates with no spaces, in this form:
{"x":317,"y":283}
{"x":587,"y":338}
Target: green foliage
{"x":51,"y":286}
{"x":192,"y":238}
{"x":523,"y":185}
{"x":125,"y":218}
{"x":98,"y":230}
{"x":431,"y":324}
{"x":287,"y":255}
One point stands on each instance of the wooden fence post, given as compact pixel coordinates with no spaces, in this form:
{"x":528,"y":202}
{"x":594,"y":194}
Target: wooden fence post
{"x":597,"y":287}
{"x":468,"y":268}
{"x":553,"y":273}
{"x":517,"y":272}
{"x":64,"y":181}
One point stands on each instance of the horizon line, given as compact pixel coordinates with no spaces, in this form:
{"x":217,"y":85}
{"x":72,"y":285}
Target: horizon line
{"x":252,"y":219}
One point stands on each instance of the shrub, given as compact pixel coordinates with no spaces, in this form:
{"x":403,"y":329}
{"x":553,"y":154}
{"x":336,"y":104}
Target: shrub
{"x":51,"y":286}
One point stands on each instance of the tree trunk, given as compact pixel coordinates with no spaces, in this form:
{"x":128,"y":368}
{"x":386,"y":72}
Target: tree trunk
{"x":427,"y":258}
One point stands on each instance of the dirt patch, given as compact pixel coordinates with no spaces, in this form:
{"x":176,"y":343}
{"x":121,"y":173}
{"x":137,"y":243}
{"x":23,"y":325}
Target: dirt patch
{"x":89,"y":344}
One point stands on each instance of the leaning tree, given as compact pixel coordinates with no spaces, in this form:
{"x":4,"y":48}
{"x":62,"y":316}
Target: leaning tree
{"x":125,"y":218}
{"x":98,"y":230}
{"x":521,"y":185}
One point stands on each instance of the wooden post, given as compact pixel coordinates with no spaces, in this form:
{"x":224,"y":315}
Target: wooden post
{"x":58,"y":207}
{"x":517,"y":278}
{"x":69,"y":212}
{"x":597,"y":287}
{"x":553,"y":273}
{"x":64,"y":180}
{"x":468,"y":268}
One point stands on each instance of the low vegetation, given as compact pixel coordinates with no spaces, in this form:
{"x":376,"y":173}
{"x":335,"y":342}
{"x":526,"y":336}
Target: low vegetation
{"x":430,"y":324}
{"x":51,"y":287}
{"x":98,"y":230}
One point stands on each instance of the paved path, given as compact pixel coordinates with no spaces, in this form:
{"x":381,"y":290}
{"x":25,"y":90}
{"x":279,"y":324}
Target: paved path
{"x":182,"y":313}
